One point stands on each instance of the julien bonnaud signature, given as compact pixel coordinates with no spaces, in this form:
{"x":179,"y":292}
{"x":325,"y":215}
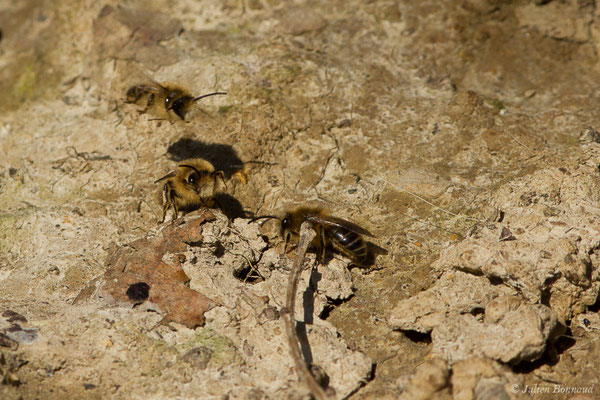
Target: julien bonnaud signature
{"x":557,"y":389}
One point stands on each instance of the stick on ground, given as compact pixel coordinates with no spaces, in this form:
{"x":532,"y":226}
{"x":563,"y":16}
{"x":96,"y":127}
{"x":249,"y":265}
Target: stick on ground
{"x":307,"y":234}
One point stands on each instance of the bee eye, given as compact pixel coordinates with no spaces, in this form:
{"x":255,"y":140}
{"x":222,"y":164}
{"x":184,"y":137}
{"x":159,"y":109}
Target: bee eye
{"x":169,"y":99}
{"x":192,"y":179}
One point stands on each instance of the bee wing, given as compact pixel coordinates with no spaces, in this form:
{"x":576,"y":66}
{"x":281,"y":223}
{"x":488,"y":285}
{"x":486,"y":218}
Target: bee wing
{"x":169,"y":175}
{"x":342,"y":223}
{"x":150,"y":87}
{"x":147,"y":82}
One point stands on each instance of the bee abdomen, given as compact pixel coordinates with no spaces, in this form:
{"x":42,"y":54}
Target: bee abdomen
{"x":348,"y":242}
{"x":134,"y":94}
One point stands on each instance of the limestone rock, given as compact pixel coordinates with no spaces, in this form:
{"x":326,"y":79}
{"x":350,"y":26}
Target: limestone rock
{"x":482,"y":378}
{"x":521,"y":335}
{"x":429,"y":378}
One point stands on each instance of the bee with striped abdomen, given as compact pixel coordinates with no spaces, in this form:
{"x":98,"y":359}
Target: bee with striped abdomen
{"x":341,"y":236}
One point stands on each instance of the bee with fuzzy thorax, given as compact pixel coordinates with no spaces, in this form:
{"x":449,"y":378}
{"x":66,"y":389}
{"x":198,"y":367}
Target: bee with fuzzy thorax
{"x":342,"y":236}
{"x":192,"y":185}
{"x":164,"y":97}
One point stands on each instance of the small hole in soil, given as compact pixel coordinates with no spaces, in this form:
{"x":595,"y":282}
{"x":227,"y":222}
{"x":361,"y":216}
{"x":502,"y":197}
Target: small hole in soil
{"x":565,"y":342}
{"x":596,"y":306}
{"x":138,"y":292}
{"x":477,"y":311}
{"x":248,"y":274}
{"x":494,"y":280}
{"x":219,"y":250}
{"x":418,"y":337}
{"x":527,"y":367}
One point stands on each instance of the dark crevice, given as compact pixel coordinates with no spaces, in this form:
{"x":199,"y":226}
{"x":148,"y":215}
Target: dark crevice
{"x":417,"y":337}
{"x":364,"y":382}
{"x":331,"y":305}
{"x":596,"y":306}
{"x":248,"y":274}
{"x":469,"y":271}
{"x":500,"y":216}
{"x":565,"y":342}
{"x":546,"y":295}
{"x":477,"y":311}
{"x":219,"y":250}
{"x":495,"y":281}
{"x":551,"y":356}
{"x":326,"y":311}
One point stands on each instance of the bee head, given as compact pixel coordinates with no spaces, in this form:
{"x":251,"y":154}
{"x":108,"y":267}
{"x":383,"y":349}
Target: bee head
{"x":171,"y":97}
{"x":194,"y":178}
{"x":286,"y":224}
{"x":179,"y":106}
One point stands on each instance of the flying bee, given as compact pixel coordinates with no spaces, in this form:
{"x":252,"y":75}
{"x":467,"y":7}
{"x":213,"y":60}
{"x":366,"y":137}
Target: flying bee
{"x":342,"y":236}
{"x":191,"y":186}
{"x":172,"y":96}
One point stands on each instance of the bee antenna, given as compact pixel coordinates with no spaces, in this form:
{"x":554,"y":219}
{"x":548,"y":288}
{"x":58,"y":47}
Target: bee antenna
{"x":207,"y":95}
{"x":169,"y":175}
{"x":191,"y":167}
{"x":263,"y":217}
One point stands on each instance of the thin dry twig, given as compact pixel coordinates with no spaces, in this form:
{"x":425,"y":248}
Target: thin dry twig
{"x":307,"y":234}
{"x":431,"y":204}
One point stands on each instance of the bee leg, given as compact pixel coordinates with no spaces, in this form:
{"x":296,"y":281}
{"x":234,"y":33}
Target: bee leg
{"x":149,"y":103}
{"x":166,"y":201}
{"x":175,"y":208}
{"x":322,"y":237}
{"x":150,"y":100}
{"x":287,"y":242}
{"x":169,"y":200}
{"x":169,"y":116}
{"x":135,"y":93}
{"x":221,"y":175}
{"x":139,"y":95}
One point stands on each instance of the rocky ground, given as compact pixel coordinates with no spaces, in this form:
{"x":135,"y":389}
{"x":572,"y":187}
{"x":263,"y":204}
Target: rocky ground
{"x":462,"y":134}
